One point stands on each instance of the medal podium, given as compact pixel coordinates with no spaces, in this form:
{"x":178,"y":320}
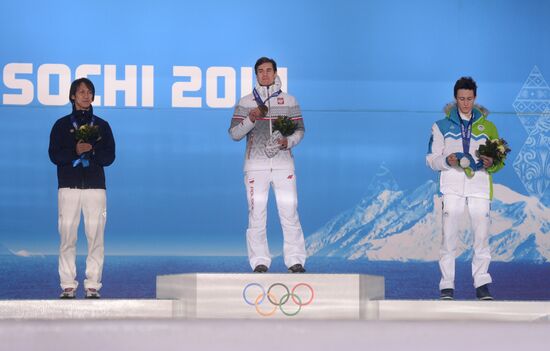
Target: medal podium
{"x":211,"y":311}
{"x":296,"y":296}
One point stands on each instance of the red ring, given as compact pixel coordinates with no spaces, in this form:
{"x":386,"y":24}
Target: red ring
{"x":310,"y":299}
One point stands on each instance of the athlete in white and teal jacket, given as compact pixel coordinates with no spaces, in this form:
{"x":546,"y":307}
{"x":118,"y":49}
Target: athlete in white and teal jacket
{"x":449,"y":138}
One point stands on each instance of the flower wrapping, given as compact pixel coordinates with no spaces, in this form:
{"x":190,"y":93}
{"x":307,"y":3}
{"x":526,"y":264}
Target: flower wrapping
{"x":272,"y":146}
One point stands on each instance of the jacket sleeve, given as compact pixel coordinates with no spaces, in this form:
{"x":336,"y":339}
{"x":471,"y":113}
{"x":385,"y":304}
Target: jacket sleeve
{"x":241,"y":125}
{"x":495,"y":167}
{"x":435,"y":158}
{"x":296,"y":115}
{"x":104,"y":150}
{"x":60,"y":152}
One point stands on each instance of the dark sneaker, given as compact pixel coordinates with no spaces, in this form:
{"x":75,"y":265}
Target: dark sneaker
{"x":447,"y":294}
{"x":68,"y":293}
{"x":261,"y":268}
{"x":483,"y":293}
{"x":297,"y":268}
{"x":92,"y":294}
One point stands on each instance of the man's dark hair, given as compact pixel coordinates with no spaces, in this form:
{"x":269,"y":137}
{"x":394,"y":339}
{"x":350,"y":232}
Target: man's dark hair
{"x":263,"y":60}
{"x":76,"y":84}
{"x":467,"y":83}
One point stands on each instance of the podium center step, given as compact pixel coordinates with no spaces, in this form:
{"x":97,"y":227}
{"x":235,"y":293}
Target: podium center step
{"x":254,"y":295}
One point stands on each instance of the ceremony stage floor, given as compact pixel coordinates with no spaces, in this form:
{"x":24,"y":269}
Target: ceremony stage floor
{"x":358,"y":319}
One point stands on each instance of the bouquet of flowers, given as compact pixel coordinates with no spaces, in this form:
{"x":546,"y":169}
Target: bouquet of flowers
{"x":497,"y":149}
{"x":282,"y":127}
{"x":87,"y":133}
{"x":285,"y":126}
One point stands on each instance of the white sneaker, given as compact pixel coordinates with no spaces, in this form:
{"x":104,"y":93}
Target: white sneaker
{"x":92,"y":294}
{"x":68,"y":293}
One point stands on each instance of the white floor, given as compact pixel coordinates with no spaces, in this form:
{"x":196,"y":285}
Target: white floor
{"x":267,"y":335}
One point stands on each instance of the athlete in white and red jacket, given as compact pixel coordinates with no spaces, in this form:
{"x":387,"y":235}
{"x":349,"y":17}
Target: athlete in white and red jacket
{"x":262,"y":171}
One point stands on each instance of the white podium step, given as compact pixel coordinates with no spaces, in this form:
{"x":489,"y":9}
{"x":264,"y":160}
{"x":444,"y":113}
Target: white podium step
{"x":432,"y":310}
{"x":85,"y":309}
{"x":381,"y":310}
{"x":298,"y":296}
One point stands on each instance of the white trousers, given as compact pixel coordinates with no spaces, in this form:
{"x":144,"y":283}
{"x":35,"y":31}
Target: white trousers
{"x":257,"y":192}
{"x":93,"y":204}
{"x":453,"y":214}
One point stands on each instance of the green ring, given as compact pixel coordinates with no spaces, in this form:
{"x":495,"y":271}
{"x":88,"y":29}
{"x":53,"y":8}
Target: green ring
{"x":287,"y":297}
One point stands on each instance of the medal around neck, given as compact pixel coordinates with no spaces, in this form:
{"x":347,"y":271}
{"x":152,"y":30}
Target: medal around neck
{"x":467,"y":163}
{"x":263,"y":109}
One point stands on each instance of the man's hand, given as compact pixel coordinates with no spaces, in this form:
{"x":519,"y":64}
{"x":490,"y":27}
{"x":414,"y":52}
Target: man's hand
{"x":283,"y":143}
{"x":452,"y":160}
{"x":82,"y":147}
{"x":487,"y":161}
{"x":254,"y":113}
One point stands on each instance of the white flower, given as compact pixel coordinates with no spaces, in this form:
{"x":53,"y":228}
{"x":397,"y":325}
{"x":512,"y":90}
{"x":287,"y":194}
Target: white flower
{"x":464,"y":162}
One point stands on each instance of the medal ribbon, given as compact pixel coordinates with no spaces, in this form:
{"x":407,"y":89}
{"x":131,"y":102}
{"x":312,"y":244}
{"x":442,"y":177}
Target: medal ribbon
{"x":259,"y":100}
{"x":466,"y":132}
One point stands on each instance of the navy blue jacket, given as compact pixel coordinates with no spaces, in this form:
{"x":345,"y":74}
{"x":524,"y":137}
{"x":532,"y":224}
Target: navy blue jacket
{"x":62,"y":152}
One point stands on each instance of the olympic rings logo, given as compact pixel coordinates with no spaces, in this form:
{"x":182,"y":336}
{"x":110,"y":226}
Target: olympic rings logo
{"x":272,"y":294}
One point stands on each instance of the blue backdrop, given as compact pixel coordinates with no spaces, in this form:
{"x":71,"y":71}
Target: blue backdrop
{"x":371,"y":78}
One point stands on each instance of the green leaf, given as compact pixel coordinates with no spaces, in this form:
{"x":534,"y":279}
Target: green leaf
{"x":285,"y":125}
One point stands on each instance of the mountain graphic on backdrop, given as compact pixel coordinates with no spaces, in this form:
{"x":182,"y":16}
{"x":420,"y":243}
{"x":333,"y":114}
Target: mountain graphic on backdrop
{"x":394,"y":225}
{"x":4,"y":250}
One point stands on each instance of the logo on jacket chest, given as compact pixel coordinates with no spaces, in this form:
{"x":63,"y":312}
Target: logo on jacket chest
{"x":280,"y":100}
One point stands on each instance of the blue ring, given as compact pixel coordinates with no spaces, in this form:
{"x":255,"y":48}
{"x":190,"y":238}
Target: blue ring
{"x":244,"y":294}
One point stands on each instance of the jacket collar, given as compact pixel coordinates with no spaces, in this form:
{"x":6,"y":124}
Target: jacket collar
{"x":266,"y":93}
{"x":452,"y":113}
{"x":83,"y":116}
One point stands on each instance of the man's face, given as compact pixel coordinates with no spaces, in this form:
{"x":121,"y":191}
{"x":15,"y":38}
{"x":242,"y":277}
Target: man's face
{"x":265,"y":74}
{"x":465,"y":100}
{"x":83,"y":97}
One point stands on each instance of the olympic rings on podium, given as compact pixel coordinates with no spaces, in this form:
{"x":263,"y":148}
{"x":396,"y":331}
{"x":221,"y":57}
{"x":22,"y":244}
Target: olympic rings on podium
{"x":289,"y":294}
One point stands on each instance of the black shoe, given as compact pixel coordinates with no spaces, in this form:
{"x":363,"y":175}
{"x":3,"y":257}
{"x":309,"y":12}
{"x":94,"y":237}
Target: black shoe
{"x":261,"y":268}
{"x":297,"y":268}
{"x":447,"y":294}
{"x":483,"y":293}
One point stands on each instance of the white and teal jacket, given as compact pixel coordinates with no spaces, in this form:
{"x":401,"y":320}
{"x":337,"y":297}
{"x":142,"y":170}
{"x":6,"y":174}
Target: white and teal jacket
{"x":447,"y":139}
{"x":258,"y":133}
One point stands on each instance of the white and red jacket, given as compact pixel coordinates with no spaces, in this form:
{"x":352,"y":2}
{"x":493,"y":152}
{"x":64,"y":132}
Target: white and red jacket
{"x":258,"y":133}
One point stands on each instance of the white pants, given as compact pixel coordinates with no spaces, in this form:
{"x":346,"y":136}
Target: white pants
{"x":257,"y":192}
{"x":453,"y":214}
{"x":93,"y":204}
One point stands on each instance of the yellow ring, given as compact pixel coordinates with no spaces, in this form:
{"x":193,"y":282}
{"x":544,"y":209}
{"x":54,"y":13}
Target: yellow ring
{"x":265,"y":314}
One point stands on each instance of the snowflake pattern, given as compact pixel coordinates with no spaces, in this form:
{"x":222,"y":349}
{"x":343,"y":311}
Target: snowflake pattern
{"x":532,"y":107}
